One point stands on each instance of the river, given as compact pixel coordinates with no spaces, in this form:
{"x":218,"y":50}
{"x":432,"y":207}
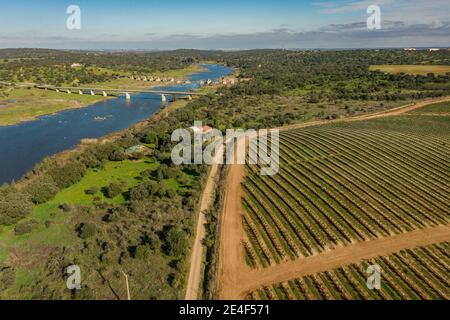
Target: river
{"x":23,"y":145}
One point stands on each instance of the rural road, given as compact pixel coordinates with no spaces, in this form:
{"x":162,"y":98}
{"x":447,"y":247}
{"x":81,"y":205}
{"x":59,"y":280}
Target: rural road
{"x":236,"y":278}
{"x":338,"y":257}
{"x":196,"y":263}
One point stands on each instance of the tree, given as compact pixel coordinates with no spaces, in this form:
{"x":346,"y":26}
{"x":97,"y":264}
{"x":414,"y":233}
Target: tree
{"x":87,"y":230}
{"x":14,"y":205}
{"x":176,"y":242}
{"x":114,"y":189}
{"x":42,"y":189}
{"x":69,"y":174}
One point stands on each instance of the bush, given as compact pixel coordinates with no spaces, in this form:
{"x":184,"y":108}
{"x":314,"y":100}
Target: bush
{"x":118,"y":155}
{"x":143,"y":252}
{"x":114,"y":189}
{"x":145,"y":190}
{"x":14,"y":205}
{"x":25,"y":227}
{"x":150,"y":138}
{"x":176,"y":242}
{"x":87,"y":230}
{"x":65,"y":207}
{"x":42,"y":189}
{"x":176,"y":280}
{"x":7,"y":277}
{"x":91,"y":191}
{"x":69,"y":174}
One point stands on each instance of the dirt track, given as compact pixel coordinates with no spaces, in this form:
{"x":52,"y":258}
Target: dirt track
{"x":341,"y":256}
{"x":236,"y":278}
{"x":196,"y":265}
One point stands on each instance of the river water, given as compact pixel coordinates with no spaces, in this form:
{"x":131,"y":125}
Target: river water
{"x":24,"y":145}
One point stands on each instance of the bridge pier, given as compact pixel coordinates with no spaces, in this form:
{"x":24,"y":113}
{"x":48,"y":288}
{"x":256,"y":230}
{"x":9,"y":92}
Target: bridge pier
{"x":92,"y":93}
{"x":57,"y":90}
{"x":189,"y":97}
{"x":163,"y":98}
{"x":68,"y":91}
{"x":105,"y":94}
{"x":127,"y":96}
{"x":80,"y":92}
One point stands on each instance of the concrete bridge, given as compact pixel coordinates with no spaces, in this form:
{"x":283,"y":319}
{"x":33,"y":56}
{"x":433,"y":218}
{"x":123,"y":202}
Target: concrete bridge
{"x":119,"y":92}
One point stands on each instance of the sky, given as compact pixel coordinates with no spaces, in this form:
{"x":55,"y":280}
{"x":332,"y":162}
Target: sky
{"x":231,"y":24}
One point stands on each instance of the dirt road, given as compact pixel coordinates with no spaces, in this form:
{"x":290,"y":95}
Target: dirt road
{"x":236,"y":278}
{"x":332,"y":259}
{"x":196,"y":264}
{"x":392,"y":112}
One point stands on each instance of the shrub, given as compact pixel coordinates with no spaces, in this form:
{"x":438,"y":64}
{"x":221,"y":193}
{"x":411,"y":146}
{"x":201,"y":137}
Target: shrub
{"x":91,"y":190}
{"x":176,"y":242}
{"x":69,"y":174}
{"x":25,"y":227}
{"x":7,"y":277}
{"x":143,"y":252}
{"x":144,"y":190}
{"x":14,"y":205}
{"x":42,"y":189}
{"x":65,"y":207}
{"x":176,"y":280}
{"x":114,"y":189}
{"x":150,"y":138}
{"x":87,"y":230}
{"x":118,"y":155}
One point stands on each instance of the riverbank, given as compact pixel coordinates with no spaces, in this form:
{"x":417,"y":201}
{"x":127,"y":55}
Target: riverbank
{"x":19,"y":105}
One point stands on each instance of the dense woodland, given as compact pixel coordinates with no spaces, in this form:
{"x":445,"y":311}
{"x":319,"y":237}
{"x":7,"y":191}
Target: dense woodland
{"x":149,"y":234}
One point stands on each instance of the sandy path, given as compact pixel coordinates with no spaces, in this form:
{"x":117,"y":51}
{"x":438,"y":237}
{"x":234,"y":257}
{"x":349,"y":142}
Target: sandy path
{"x":196,"y":264}
{"x":236,"y":278}
{"x":231,"y":263}
{"x":335,"y":258}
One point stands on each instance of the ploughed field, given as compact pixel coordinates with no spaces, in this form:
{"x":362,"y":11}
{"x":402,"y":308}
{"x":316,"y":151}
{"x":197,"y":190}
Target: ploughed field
{"x":346,"y":183}
{"x":420,"y":273}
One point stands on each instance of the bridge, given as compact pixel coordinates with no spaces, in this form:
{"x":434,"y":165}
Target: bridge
{"x":116,"y":92}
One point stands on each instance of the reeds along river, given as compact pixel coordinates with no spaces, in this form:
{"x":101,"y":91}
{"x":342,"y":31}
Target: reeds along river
{"x":22,"y":146}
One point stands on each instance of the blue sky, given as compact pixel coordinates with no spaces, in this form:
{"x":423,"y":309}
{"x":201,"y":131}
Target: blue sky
{"x":150,"y":24}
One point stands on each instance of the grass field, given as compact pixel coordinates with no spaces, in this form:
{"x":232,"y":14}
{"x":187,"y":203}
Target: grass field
{"x":438,"y":109}
{"x":412,"y":69}
{"x":126,"y":171}
{"x":348,"y":182}
{"x":421,"y":273}
{"x":28,"y":104}
{"x":56,"y":228}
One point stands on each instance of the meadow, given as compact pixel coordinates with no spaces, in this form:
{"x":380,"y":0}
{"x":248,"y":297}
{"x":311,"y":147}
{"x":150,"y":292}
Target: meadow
{"x":55,"y":226}
{"x":412,"y":69}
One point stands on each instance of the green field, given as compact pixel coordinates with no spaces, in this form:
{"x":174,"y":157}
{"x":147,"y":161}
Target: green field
{"x":56,"y":228}
{"x":437,"y":108}
{"x":412,"y":69}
